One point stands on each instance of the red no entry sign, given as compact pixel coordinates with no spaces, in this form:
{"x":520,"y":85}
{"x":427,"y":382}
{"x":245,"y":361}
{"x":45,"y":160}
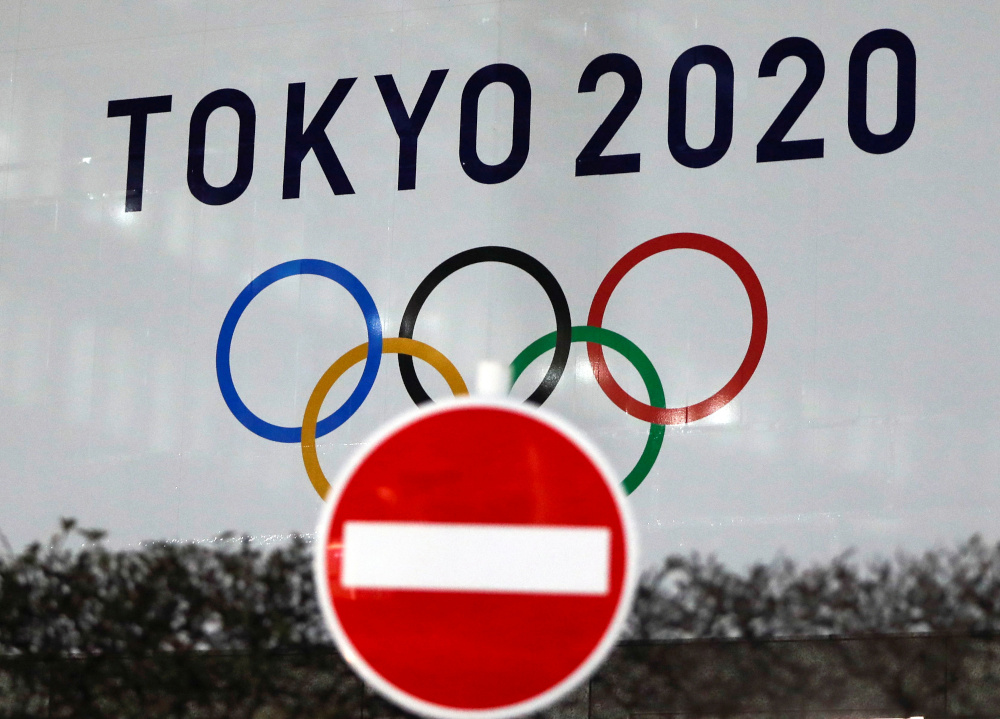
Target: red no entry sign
{"x":475,"y":560}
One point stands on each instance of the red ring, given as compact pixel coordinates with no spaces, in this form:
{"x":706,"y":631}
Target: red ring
{"x":758,"y":332}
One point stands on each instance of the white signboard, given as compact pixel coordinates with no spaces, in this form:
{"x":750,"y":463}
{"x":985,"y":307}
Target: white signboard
{"x":749,"y":248}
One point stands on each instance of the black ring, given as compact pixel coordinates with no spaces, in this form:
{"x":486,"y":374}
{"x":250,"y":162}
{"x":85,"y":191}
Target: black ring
{"x":510,"y":256}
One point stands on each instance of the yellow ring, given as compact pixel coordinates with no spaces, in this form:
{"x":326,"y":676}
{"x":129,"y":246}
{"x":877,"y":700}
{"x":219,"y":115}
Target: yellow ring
{"x":395,"y":345}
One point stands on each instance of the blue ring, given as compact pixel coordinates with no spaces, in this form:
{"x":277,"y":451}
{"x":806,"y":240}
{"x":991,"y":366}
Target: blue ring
{"x":349,"y":282}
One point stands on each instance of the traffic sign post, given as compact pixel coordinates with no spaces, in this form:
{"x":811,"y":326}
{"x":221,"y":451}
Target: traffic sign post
{"x":476,"y":559}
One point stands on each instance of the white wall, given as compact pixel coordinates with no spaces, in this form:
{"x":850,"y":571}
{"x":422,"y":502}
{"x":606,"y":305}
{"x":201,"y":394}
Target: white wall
{"x":869,"y":422}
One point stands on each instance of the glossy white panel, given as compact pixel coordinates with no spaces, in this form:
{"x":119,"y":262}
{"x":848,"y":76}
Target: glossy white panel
{"x":869,"y":422}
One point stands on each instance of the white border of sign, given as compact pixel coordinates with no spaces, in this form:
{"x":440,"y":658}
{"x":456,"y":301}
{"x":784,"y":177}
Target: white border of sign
{"x":546,"y":698}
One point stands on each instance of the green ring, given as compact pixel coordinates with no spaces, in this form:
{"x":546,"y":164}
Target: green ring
{"x":627,"y":349}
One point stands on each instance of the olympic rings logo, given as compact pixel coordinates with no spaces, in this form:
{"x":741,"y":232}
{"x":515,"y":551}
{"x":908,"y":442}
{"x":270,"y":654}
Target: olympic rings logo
{"x":654,"y":411}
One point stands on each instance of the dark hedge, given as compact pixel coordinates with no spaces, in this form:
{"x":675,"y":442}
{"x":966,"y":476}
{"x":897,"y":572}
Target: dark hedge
{"x":87,"y":600}
{"x":231,"y":629}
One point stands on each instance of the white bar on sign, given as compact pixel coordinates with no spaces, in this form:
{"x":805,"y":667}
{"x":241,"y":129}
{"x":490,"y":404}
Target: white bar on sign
{"x":504,"y":558}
